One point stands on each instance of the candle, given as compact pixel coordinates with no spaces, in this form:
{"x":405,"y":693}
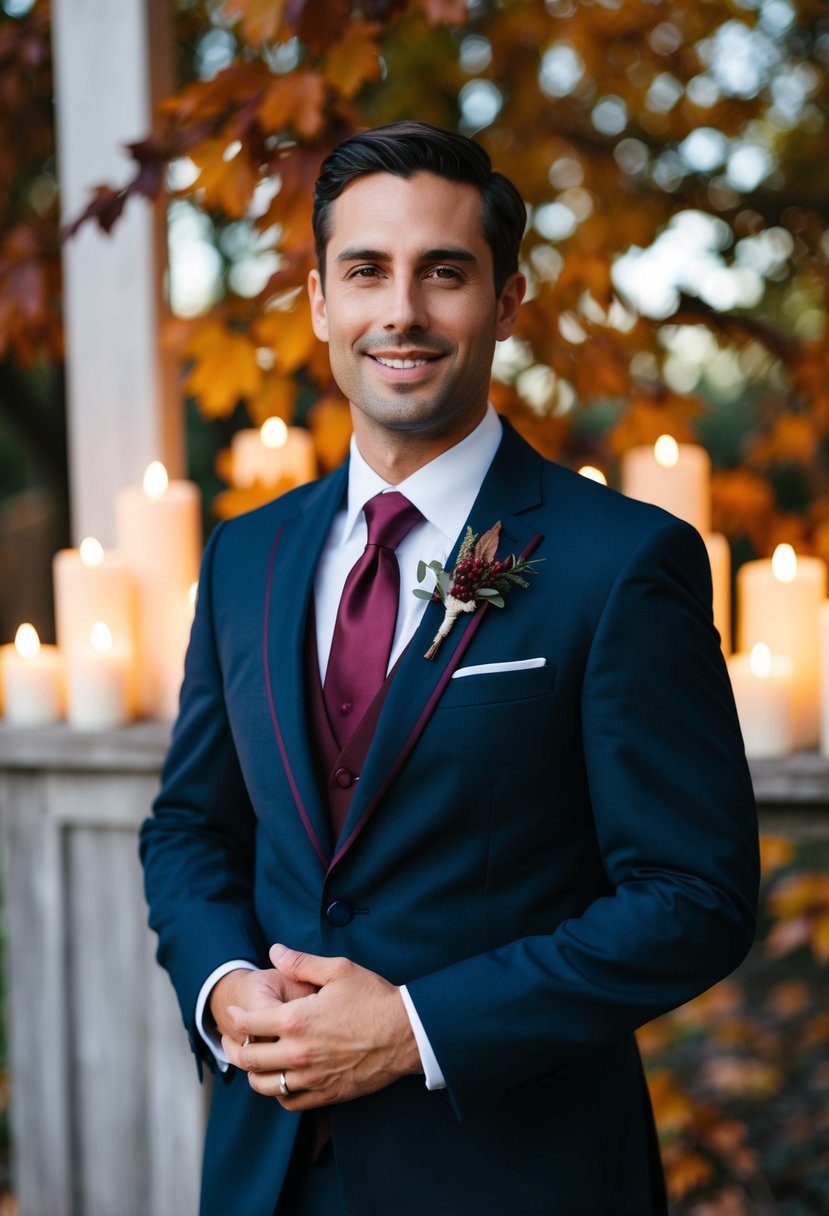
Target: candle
{"x":272,"y":453}
{"x":32,"y":680}
{"x":92,"y":585}
{"x":823,"y":647}
{"x":778,"y":603}
{"x":159,"y":533}
{"x":762,"y":684}
{"x":98,"y":686}
{"x":676,"y":476}
{"x":719,"y":555}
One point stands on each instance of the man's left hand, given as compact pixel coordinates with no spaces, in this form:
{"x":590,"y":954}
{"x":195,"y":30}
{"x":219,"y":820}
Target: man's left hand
{"x":350,"y":1038}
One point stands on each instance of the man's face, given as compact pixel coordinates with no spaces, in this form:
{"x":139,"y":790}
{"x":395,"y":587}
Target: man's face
{"x":408,"y":306}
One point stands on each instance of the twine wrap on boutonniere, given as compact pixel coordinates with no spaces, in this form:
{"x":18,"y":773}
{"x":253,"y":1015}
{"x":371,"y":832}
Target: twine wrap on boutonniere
{"x":478,"y":578}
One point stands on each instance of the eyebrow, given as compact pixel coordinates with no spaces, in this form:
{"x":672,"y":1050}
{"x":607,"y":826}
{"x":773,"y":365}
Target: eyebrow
{"x":450,"y":253}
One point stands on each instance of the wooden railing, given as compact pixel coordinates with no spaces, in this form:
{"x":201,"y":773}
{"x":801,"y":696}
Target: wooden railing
{"x":107,"y":1112}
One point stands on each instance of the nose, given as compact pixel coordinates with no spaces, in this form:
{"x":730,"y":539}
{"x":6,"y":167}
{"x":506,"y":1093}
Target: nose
{"x":406,"y":308}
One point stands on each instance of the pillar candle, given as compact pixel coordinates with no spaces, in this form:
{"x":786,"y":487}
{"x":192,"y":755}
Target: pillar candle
{"x":33,"y":680}
{"x":98,"y":682}
{"x":823,"y":647}
{"x":777,"y":603}
{"x":271,"y":453}
{"x":159,"y":533}
{"x":719,"y":555}
{"x":762,"y":685}
{"x":92,"y":585}
{"x":671,"y":475}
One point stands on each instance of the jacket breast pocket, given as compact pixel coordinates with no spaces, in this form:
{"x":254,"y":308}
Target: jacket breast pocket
{"x":499,"y":687}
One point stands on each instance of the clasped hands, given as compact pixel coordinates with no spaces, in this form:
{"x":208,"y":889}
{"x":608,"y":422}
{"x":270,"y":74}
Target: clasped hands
{"x":334,"y":1029}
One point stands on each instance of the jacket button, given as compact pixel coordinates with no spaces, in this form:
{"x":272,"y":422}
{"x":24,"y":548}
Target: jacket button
{"x":344,"y":778}
{"x":339,"y":913}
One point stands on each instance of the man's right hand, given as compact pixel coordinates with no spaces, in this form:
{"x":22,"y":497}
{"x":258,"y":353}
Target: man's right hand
{"x":252,"y":990}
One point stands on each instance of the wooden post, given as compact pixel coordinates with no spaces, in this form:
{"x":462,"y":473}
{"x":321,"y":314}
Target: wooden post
{"x":107,"y":1112}
{"x":112,"y":63}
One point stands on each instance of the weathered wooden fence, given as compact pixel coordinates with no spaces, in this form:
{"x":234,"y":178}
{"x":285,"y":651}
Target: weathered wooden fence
{"x":107,"y":1114}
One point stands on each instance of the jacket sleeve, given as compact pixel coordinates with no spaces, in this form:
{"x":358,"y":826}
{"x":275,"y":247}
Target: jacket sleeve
{"x":673,"y":811}
{"x":197,"y":848}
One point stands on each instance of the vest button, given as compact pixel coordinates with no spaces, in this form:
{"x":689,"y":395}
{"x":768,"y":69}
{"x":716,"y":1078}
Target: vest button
{"x":339,"y":913}
{"x":344,"y":778}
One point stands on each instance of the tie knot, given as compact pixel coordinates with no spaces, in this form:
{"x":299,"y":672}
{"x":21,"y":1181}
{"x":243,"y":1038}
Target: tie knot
{"x":390,"y":518}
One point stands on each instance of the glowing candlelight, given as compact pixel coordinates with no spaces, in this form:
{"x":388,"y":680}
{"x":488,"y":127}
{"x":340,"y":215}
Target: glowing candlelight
{"x":99,"y":682}
{"x":784,"y":564}
{"x":763,"y":687}
{"x":671,"y":475}
{"x":778,"y":603}
{"x":274,"y":433}
{"x":91,"y":553}
{"x":32,"y":678}
{"x":666,"y":452}
{"x":156,"y":482}
{"x":593,"y":474}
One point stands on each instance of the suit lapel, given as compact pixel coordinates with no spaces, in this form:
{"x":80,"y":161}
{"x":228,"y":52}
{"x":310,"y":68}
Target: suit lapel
{"x":294,"y":556}
{"x":511,"y":487}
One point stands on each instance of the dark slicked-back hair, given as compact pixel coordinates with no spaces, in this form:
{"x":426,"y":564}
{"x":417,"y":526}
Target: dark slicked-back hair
{"x":406,"y":148}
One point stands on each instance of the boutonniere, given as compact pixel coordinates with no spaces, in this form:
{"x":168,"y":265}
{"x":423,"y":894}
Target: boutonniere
{"x":478,"y":578}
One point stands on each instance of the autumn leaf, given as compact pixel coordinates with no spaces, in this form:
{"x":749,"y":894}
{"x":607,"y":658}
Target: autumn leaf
{"x":275,"y":398}
{"x":329,"y":422}
{"x":355,"y":58}
{"x":287,"y":332}
{"x":776,"y":852}
{"x":234,"y":501}
{"x":685,"y":1171}
{"x":260,"y":20}
{"x":294,"y":102}
{"x":226,"y":178}
{"x":224,"y":370}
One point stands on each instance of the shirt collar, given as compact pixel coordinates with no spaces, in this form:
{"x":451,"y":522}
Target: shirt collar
{"x":442,"y":490}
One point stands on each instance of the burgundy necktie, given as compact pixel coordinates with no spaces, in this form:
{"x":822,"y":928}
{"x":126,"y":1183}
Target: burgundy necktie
{"x":367,"y":615}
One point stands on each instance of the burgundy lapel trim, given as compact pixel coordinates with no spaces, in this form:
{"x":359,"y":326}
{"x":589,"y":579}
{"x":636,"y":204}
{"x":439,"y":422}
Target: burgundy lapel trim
{"x":321,"y":852}
{"x":426,"y":713}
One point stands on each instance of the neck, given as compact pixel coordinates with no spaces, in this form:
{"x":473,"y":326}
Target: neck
{"x":396,"y":455}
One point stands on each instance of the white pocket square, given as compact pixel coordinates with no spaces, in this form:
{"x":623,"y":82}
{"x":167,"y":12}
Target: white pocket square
{"x":485,"y":669}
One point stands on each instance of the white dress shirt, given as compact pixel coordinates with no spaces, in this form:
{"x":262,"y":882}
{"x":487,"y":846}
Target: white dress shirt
{"x":443,"y":491}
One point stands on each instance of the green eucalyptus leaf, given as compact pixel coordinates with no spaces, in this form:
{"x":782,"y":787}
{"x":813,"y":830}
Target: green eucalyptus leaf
{"x":421,"y":571}
{"x":421,"y":594}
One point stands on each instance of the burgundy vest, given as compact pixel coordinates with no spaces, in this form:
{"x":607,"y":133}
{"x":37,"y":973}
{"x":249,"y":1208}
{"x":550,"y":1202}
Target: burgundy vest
{"x":339,"y":767}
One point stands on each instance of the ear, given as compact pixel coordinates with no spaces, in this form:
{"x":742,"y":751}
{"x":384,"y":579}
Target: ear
{"x":319,"y":313}
{"x":509,"y":304}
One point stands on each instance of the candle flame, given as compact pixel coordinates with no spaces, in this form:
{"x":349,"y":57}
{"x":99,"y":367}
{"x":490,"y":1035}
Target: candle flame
{"x":26,"y":642}
{"x":91,"y":552}
{"x":193,"y":594}
{"x":784,"y":564}
{"x":156,"y":480}
{"x":760,"y":660}
{"x":593,"y":474}
{"x":273,"y":433}
{"x":666,"y":451}
{"x":101,"y":638}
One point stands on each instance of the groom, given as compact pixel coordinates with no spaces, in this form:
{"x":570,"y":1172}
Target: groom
{"x":415,"y":907}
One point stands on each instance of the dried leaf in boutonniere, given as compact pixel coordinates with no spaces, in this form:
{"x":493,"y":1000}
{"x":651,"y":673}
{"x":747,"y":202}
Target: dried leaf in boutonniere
{"x":478,"y":578}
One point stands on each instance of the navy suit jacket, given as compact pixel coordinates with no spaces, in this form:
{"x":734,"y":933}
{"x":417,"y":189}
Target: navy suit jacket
{"x":548,"y":857}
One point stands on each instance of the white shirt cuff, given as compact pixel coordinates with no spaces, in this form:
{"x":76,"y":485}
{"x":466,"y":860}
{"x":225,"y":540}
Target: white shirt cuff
{"x":211,"y":1036}
{"x":431,"y":1068}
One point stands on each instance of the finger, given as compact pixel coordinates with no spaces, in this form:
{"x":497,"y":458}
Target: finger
{"x":264,"y":1055}
{"x":253,"y":1024}
{"x":306,"y":968}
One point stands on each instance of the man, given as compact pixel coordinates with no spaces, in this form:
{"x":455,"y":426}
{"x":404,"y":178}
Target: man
{"x":426,"y":913}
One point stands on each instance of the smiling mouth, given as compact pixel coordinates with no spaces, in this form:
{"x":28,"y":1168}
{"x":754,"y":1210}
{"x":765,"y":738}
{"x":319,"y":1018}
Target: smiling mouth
{"x":404,"y":364}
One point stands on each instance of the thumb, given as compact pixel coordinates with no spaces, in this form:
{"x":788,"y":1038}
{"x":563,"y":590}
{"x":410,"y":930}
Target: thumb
{"x":305,"y":968}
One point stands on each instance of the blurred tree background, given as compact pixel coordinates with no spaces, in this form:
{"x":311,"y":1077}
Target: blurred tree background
{"x":674,"y":155}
